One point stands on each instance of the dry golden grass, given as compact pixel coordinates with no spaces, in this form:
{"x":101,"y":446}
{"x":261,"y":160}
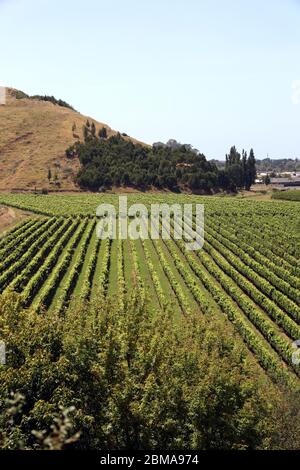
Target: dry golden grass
{"x":10,"y":217}
{"x":33,"y":138}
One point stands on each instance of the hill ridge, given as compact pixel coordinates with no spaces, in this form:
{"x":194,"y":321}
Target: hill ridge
{"x":34,"y":136}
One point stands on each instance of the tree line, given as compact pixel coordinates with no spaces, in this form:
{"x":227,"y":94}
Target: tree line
{"x":271,"y":166}
{"x":20,"y":95}
{"x":52,"y":99}
{"x":117,"y":161}
{"x":241,"y":168}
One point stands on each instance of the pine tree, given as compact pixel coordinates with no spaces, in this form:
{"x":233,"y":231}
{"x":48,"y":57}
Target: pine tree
{"x":49,"y":174}
{"x":93,"y":130}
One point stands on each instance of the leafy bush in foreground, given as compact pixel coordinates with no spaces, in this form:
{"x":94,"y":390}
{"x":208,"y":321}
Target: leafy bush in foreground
{"x":131,"y":380}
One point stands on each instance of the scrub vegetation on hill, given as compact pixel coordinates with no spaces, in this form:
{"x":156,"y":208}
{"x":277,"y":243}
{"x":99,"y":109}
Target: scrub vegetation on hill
{"x":20,"y":95}
{"x":115,"y":161}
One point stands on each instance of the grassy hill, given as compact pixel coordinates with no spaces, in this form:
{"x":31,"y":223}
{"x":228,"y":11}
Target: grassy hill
{"x":34,"y":136}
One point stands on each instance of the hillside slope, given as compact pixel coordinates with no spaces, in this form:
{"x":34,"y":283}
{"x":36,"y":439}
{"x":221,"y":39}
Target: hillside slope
{"x":33,"y":138}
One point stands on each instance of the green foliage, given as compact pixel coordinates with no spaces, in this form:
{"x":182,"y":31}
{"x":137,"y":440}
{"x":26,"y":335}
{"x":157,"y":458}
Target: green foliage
{"x":290,"y":195}
{"x":131,"y":380}
{"x":241,"y":169}
{"x":20,"y":95}
{"x":93,"y":130}
{"x":102,"y":133}
{"x":271,"y":166}
{"x":51,"y":99}
{"x":280,"y":165}
{"x":119,"y":162}
{"x":135,"y":374}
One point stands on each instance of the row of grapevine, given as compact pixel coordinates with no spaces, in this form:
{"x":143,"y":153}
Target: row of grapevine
{"x":23,"y":258}
{"x":60,"y":269}
{"x":17,"y":230}
{"x":289,"y":240}
{"x":181,"y":297}
{"x":282,"y":320}
{"x":255,"y":280}
{"x":121,"y":280}
{"x":45,"y":268}
{"x":138,"y":281}
{"x":227,"y":265}
{"x":105,"y":266}
{"x":19,"y":233}
{"x":74,"y":272}
{"x":190,"y":279}
{"x":89,"y":271}
{"x":264,"y":325}
{"x":267,"y":238}
{"x":267,"y":358}
{"x":18,"y":249}
{"x":19,"y":282}
{"x":155,"y":279}
{"x":240,"y":250}
{"x":258,"y":251}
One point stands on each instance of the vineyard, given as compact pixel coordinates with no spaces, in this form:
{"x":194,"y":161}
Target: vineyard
{"x":247,"y":273}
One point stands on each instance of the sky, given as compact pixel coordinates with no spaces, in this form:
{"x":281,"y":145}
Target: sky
{"x":212,"y":73}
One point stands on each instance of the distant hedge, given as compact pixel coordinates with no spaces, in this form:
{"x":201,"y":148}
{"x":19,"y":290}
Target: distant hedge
{"x":290,"y":195}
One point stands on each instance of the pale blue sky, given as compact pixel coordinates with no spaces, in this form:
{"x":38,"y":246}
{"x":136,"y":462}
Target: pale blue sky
{"x":212,"y":73}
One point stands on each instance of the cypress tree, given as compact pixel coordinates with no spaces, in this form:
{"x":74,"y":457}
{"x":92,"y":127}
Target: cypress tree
{"x":251,"y":169}
{"x":102,"y":133}
{"x":85,"y":133}
{"x":244,"y":166}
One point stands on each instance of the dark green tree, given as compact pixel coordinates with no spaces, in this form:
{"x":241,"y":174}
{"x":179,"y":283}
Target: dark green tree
{"x":102,"y":133}
{"x":244,"y":167}
{"x":233,"y":158}
{"x":85,"y":133}
{"x":252,"y":167}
